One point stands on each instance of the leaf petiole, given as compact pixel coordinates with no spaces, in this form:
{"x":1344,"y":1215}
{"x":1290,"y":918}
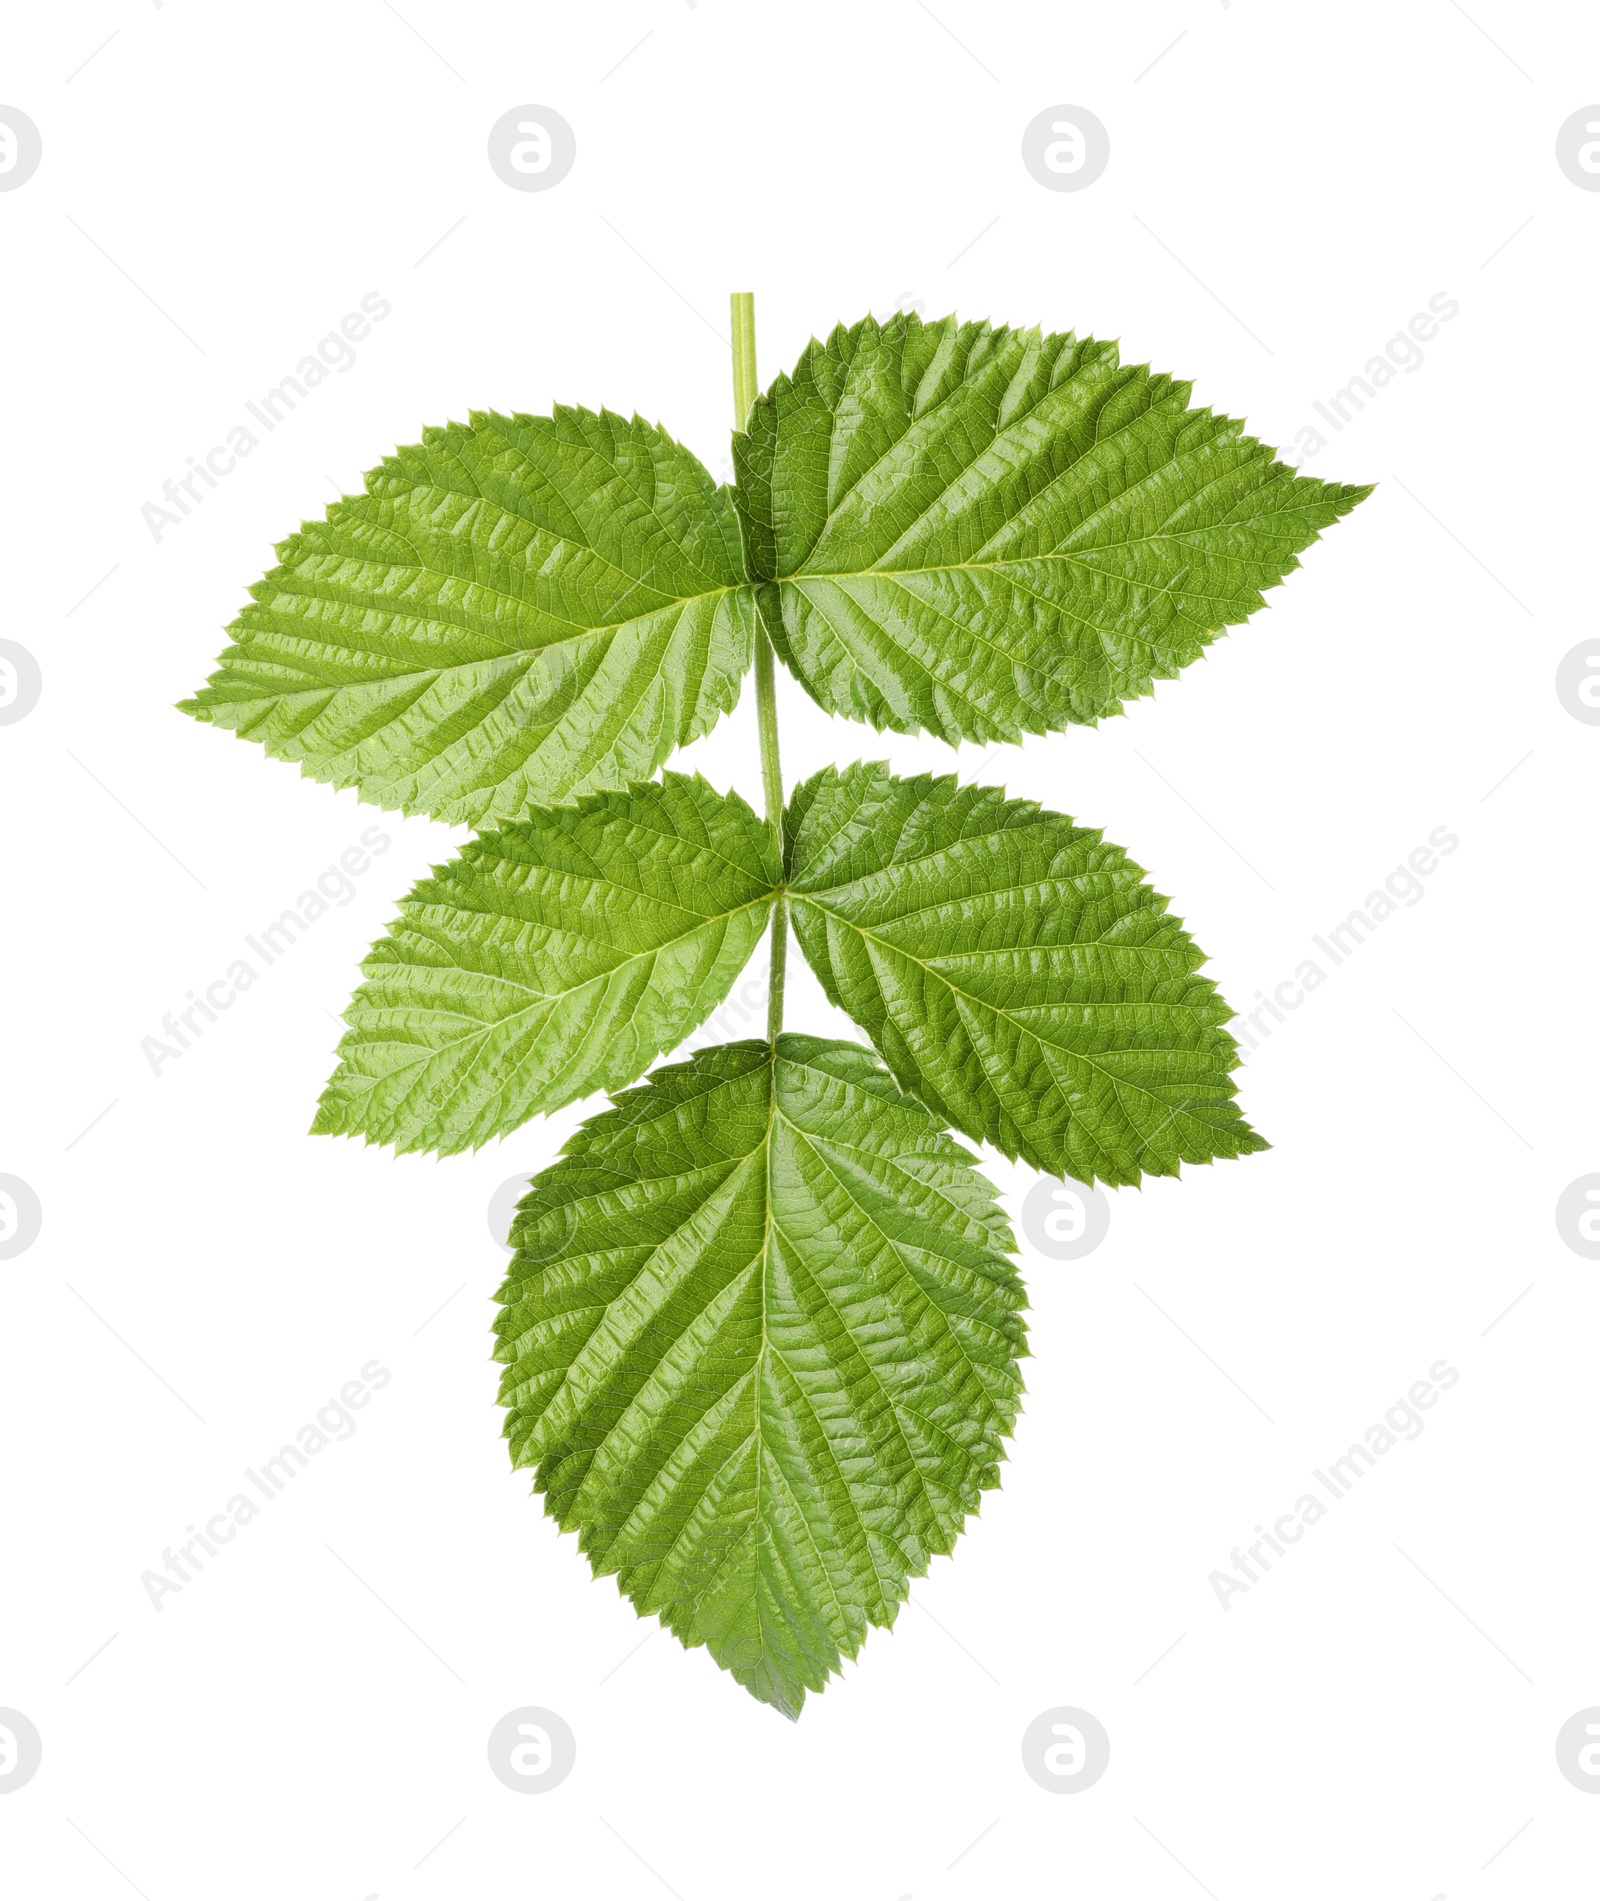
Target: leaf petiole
{"x":742,"y":305}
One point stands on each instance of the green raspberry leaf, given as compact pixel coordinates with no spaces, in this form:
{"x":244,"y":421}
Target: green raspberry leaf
{"x":760,"y":1336}
{"x":519,"y":610}
{"x":1016,"y":972}
{"x":983,"y":533}
{"x":552,"y":958}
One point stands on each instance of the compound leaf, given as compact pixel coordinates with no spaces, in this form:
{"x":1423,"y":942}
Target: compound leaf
{"x":553,"y":957}
{"x":985,"y":532}
{"x":1016,"y":972}
{"x":519,"y":609}
{"x":760,"y":1336}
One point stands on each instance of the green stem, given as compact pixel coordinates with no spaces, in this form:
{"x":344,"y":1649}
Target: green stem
{"x":767,"y":719}
{"x":743,"y":311}
{"x":743,"y":303}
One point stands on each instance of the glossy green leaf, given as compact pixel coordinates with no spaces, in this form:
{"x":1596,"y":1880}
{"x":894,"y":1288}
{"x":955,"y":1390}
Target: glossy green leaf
{"x":760,"y":1337}
{"x":1016,"y":972}
{"x":552,"y":958}
{"x":986,"y":532}
{"x":518,"y":610}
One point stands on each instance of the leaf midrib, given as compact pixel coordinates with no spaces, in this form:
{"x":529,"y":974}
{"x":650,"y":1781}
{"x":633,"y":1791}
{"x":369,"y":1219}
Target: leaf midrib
{"x":710,"y":918}
{"x":994,"y":367}
{"x":405,"y":491}
{"x":491,"y":860}
{"x":624,"y":479}
{"x":483,"y":1031}
{"x":509,"y":656}
{"x":767,"y":1353}
{"x":1117,"y":1083}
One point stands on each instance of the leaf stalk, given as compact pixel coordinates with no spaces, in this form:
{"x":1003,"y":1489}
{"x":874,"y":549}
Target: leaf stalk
{"x":742,"y":308}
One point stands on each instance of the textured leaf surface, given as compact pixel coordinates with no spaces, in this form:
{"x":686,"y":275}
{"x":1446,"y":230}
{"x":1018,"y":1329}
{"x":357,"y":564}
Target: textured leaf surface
{"x":554,"y":957}
{"x":520,"y":609}
{"x":760,"y":1337}
{"x":986,"y":532}
{"x":1016,"y":972}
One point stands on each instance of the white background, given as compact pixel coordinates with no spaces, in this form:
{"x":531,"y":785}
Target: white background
{"x":1287,"y":186}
